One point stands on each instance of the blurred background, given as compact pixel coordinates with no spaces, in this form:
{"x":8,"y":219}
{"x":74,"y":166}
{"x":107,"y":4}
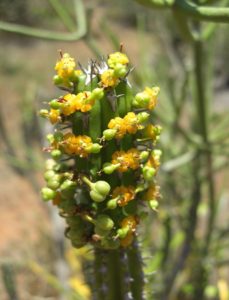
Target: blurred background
{"x":185,"y":243}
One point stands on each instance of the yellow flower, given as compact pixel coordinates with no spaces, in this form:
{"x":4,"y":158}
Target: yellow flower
{"x":69,"y":104}
{"x":127,"y":160}
{"x":129,"y":222}
{"x":80,"y":102}
{"x":117,"y":58}
{"x":84,"y":102}
{"x":153,"y":161}
{"x":124,"y":193}
{"x":54,"y":116}
{"x":152,"y":93}
{"x":131,"y":123}
{"x":108,"y":79}
{"x":76,"y":144}
{"x":65,"y":66}
{"x":152,"y":193}
{"x":119,"y":125}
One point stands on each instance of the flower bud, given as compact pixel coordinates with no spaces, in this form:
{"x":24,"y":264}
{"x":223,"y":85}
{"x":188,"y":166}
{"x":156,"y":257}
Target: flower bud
{"x":49,"y":174}
{"x":94,"y":148}
{"x":44,"y":113}
{"x":67,"y":185}
{"x":48,"y":194}
{"x":144,"y":155}
{"x":109,"y":134}
{"x":97,"y":94}
{"x":120,"y":70}
{"x":50,"y":138}
{"x":153,"y":204}
{"x":143,"y":117}
{"x":122,"y":232}
{"x":109,"y":168}
{"x":54,"y":104}
{"x":53,"y":184}
{"x":104,"y":222}
{"x":50,"y":164}
{"x":141,"y":100}
{"x":112,"y":204}
{"x":56,"y":154}
{"x":148,"y":173}
{"x":57,"y":80}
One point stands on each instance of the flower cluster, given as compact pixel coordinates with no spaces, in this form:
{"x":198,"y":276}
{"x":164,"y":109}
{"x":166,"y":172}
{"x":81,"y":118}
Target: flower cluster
{"x":104,"y":161}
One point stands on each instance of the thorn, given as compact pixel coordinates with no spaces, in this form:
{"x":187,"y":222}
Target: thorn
{"x":61,"y":53}
{"x":121,"y":47}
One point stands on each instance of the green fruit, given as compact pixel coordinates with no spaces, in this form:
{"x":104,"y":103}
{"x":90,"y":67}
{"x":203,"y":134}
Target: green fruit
{"x":97,"y":93}
{"x":102,"y":187}
{"x":49,"y":175}
{"x":96,"y":196}
{"x":48,"y":194}
{"x":122,"y":232}
{"x":104,"y":222}
{"x":109,"y":134}
{"x":57,"y":80}
{"x":109,"y":168}
{"x":100,"y":231}
{"x":148,"y":173}
{"x":67,"y":185}
{"x":54,"y":104}
{"x":94,"y":148}
{"x":56,"y":154}
{"x":112,"y":204}
{"x":153,"y":204}
{"x":53,"y":184}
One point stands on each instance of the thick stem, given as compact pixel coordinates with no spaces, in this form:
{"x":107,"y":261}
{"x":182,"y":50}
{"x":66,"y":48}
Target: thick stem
{"x":136,"y":272}
{"x":100,"y":270}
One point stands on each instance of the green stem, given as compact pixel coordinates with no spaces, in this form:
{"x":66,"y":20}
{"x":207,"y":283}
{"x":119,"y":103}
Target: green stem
{"x":203,"y":13}
{"x":99,"y":270}
{"x":136,"y":271}
{"x":48,"y":34}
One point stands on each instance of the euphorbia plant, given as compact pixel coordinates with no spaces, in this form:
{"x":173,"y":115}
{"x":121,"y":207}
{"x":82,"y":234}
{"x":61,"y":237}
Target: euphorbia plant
{"x":103,"y":167}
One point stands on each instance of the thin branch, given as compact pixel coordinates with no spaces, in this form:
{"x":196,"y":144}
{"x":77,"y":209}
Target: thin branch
{"x":52,"y":35}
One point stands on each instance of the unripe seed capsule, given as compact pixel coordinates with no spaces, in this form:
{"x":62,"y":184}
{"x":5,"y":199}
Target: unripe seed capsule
{"x":143,"y":117}
{"x":96,"y":196}
{"x":122,"y":232}
{"x":48,"y":194}
{"x":56,"y":154}
{"x":109,"y":134}
{"x":44,"y":113}
{"x":101,"y":187}
{"x":153,"y":204}
{"x":148,"y":173}
{"x":49,"y":174}
{"x":67,"y":184}
{"x":109,"y":168}
{"x":104,"y":222}
{"x":97,"y":93}
{"x":112,"y":204}
{"x":54,"y":104}
{"x":94,"y":148}
{"x":144,"y":155}
{"x":57,"y":80}
{"x":50,"y":164}
{"x":53,"y":184}
{"x":120,"y":70}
